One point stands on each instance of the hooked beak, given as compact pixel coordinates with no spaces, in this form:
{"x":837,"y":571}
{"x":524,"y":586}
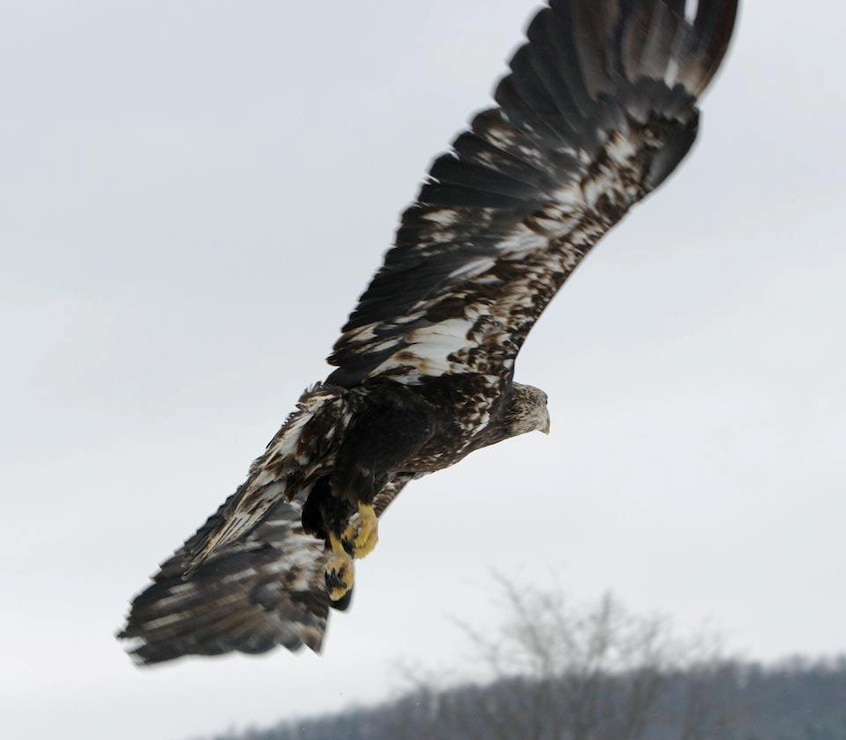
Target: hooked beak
{"x":545,"y":427}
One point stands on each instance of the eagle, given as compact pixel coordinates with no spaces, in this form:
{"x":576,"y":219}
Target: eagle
{"x":598,"y":108}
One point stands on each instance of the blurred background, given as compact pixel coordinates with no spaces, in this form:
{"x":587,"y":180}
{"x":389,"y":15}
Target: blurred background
{"x":193,"y":195}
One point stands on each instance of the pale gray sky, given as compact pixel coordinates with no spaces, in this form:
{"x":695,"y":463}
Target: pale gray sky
{"x":192,"y":196}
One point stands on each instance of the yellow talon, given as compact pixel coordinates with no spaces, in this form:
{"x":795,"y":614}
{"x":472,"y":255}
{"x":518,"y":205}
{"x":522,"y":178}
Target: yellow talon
{"x":362,"y":533}
{"x":357,"y":541}
{"x":340,"y":571}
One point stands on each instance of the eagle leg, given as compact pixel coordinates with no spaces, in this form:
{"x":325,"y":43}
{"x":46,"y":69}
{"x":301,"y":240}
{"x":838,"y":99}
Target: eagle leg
{"x":380,"y":438}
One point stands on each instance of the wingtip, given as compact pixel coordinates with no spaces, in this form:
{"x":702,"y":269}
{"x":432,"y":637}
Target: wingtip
{"x":713,"y":27}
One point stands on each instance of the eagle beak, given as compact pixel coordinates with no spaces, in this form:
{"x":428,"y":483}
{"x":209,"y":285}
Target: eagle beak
{"x":545,"y":427}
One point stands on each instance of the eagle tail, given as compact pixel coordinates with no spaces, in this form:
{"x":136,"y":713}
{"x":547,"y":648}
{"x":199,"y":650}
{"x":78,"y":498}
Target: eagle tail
{"x":250,"y":578}
{"x":264,"y":590}
{"x":267,"y":589}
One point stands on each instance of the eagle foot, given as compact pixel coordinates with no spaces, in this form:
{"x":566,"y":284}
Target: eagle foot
{"x":362,"y":533}
{"x":358,"y":539}
{"x":339,"y":572}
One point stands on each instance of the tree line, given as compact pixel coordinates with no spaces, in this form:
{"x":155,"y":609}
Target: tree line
{"x":559,"y":672}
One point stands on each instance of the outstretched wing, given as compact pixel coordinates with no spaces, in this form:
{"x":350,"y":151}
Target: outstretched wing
{"x":263,"y":590}
{"x":597,"y":111}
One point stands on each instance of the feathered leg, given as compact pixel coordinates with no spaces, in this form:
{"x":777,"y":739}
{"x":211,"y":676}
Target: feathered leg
{"x":378,"y":441}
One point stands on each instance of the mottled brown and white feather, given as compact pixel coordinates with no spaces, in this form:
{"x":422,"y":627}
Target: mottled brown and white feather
{"x":300,"y":452}
{"x":598,"y":109}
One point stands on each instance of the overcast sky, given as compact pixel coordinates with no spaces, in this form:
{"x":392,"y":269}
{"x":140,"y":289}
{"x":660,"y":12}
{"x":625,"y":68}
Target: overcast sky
{"x":192,"y":196}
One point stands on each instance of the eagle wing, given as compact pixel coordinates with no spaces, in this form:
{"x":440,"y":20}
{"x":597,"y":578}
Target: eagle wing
{"x":597,"y":111}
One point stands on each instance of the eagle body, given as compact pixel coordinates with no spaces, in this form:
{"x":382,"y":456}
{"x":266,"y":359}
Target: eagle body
{"x":597,"y":111}
{"x":344,"y":445}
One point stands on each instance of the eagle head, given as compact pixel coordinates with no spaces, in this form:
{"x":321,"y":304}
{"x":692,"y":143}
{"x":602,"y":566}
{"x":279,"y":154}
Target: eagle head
{"x":527,"y":411}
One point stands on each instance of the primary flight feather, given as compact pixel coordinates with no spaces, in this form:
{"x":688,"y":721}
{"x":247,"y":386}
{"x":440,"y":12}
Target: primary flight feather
{"x":598,"y":109}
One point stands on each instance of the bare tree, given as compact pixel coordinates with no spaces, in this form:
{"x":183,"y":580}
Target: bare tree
{"x":588,"y":673}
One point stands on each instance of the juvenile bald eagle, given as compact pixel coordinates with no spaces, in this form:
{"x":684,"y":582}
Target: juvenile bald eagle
{"x":598,"y":109}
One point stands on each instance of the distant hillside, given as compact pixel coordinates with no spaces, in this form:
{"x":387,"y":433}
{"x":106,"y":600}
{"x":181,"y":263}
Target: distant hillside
{"x":564,"y":671}
{"x":725,"y":700}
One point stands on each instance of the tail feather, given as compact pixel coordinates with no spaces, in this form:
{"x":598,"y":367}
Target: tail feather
{"x":264,"y":590}
{"x":251,"y":595}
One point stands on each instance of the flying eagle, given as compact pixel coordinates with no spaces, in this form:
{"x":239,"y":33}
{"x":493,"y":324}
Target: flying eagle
{"x":598,"y":109}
